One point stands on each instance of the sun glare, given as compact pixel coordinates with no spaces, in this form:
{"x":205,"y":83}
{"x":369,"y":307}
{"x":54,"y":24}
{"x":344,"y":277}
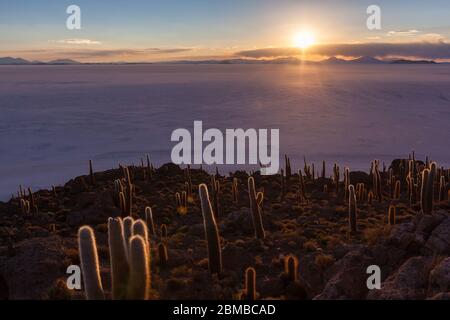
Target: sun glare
{"x":304,"y":39}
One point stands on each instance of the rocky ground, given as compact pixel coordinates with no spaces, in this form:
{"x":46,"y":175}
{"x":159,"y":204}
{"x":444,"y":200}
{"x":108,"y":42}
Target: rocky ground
{"x":413,"y":254}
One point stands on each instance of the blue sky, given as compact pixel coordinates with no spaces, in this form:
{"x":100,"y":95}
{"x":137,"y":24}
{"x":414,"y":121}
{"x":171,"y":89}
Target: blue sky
{"x":133,"y":30}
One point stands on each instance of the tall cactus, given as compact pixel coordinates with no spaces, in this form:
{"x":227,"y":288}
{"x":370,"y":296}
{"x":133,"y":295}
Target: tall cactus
{"x":302,"y":185}
{"x":118,"y":258}
{"x":336,"y":177}
{"x":352,"y":209}
{"x":91,"y":173}
{"x":139,"y":283}
{"x":235,"y":191}
{"x":89,"y":264}
{"x":149,"y":221}
{"x":256,"y":200}
{"x":397,"y":190}
{"x":211,"y":232}
{"x":427,"y":190}
{"x":441,"y":188}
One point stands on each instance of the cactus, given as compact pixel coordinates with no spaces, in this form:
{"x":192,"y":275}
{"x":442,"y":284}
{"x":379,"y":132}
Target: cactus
{"x":129,"y":192}
{"x":139,"y":282}
{"x":122,"y":203}
{"x":211,"y":232}
{"x":250,"y":285}
{"x":91,"y":174}
{"x":302,"y":185}
{"x":323,"y":170}
{"x":370,"y":197}
{"x":31,"y":200}
{"x":118,"y":258}
{"x":346,"y":182}
{"x":163,"y":255}
{"x":234,"y":190}
{"x":352,"y":209}
{"x":140,"y":229}
{"x":163,"y":230}
{"x":89,"y":264}
{"x":215,"y":190}
{"x":336,"y":177}
{"x":149,"y":169}
{"x":288,"y":167}
{"x":427,"y":190}
{"x":255,"y":208}
{"x":291,"y":268}
{"x":127,"y":231}
{"x":283,"y":185}
{"x":397,"y":190}
{"x":441,"y":188}
{"x":392,"y":215}
{"x":376,"y":178}
{"x":149,"y":221}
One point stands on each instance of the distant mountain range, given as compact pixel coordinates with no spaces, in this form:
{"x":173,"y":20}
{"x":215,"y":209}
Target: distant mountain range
{"x":287,"y":60}
{"x":20,"y":61}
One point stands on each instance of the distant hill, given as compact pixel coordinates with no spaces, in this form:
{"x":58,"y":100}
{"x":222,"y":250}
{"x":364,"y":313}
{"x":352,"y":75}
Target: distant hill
{"x":20,"y":61}
{"x":10,"y":60}
{"x":367,"y":60}
{"x":284,"y":60}
{"x":404,"y":61}
{"x":63,"y":61}
{"x":334,"y":60}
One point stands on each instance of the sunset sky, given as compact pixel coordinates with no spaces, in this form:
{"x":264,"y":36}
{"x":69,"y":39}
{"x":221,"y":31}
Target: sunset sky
{"x":150,"y":30}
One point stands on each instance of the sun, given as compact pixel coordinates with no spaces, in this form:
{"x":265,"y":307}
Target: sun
{"x":304,"y":39}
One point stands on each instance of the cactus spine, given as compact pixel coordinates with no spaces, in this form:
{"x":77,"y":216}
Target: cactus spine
{"x":89,"y":264}
{"x":255,"y":208}
{"x":211,"y":232}
{"x":352,"y":209}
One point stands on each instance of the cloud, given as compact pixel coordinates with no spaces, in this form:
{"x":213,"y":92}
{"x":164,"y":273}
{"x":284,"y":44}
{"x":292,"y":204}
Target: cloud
{"x":77,"y":41}
{"x":105,"y":53}
{"x":403,"y":33}
{"x":425,"y":50}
